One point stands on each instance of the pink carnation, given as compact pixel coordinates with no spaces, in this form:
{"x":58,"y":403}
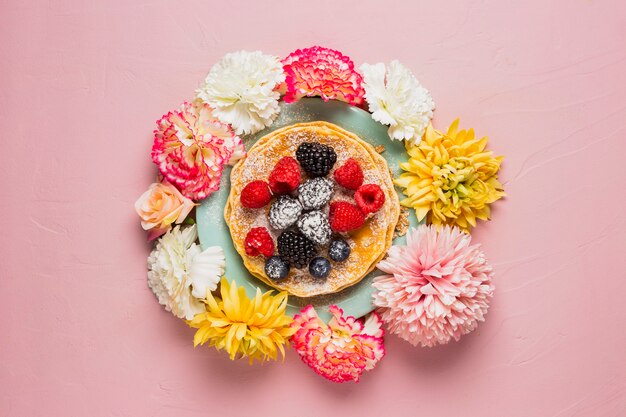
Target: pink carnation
{"x":324,"y":72}
{"x":439,"y":287}
{"x":191,"y":147}
{"x":342,"y":350}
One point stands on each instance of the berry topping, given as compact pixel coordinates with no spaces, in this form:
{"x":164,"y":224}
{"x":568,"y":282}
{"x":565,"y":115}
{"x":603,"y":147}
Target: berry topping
{"x":345,"y":217}
{"x":285,"y":177}
{"x":296,"y":248}
{"x":315,"y":193}
{"x":284,"y":212}
{"x":277,"y":268}
{"x":339,"y":250}
{"x":370,"y":198}
{"x":316,"y":159}
{"x":315,"y":226}
{"x":349,"y":175}
{"x":255,"y":194}
{"x":319,"y":268}
{"x":258,"y":241}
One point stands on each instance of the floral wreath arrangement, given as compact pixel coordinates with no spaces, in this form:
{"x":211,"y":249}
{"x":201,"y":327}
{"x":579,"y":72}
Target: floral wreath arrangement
{"x":313,"y":208}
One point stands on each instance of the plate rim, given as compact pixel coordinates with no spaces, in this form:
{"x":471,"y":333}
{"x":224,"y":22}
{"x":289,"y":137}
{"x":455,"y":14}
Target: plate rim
{"x":357,"y":299}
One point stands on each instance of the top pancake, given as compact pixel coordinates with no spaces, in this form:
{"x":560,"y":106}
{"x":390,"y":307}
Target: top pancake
{"x":369,"y":244}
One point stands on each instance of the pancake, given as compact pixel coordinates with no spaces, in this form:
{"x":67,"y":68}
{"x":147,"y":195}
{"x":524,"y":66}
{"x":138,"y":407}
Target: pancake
{"x":369,"y":244}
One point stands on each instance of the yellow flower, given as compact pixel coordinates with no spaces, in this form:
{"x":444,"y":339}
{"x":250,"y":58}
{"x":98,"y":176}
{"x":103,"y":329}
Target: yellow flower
{"x":450,"y":178}
{"x":256,"y":328}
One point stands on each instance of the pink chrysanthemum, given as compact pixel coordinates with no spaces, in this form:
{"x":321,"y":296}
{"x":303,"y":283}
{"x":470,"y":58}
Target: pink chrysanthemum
{"x":323,"y":72}
{"x":342,"y":349}
{"x":191,"y":147}
{"x":439,"y":287}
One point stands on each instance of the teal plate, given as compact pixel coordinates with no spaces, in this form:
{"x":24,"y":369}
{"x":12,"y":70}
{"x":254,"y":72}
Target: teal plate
{"x":213,"y":231}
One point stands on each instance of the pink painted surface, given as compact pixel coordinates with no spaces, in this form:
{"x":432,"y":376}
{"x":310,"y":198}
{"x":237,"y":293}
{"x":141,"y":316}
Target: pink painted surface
{"x":82,"y":84}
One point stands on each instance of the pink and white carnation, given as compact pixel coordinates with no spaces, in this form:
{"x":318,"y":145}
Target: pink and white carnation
{"x":342,"y":349}
{"x":438,"y":286}
{"x":191,"y":148}
{"x":323,"y":72}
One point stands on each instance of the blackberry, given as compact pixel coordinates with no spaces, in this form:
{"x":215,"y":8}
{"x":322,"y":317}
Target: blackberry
{"x":277,"y":268}
{"x":316,"y":159}
{"x":315,"y":193}
{"x":296,"y":248}
{"x":339,"y":250}
{"x":319,"y":268}
{"x":315,"y":226}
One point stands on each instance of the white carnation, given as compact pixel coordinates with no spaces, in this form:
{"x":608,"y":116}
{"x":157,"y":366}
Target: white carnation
{"x":397,"y":99}
{"x":180,"y":273}
{"x":241,"y":90}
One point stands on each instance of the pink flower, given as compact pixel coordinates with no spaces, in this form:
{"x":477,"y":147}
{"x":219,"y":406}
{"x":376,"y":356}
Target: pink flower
{"x":439,"y":287}
{"x":342,"y":350}
{"x":191,"y":147}
{"x":324,"y":72}
{"x":161,"y":206}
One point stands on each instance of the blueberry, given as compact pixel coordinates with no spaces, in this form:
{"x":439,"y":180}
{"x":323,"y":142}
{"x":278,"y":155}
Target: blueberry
{"x":319,"y":267}
{"x":277,"y":268}
{"x":339,"y":250}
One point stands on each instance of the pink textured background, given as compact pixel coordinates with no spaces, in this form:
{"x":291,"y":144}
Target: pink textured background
{"x":81,"y":85}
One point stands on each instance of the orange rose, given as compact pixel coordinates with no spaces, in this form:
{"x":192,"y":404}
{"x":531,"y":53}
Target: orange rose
{"x":160,"y":207}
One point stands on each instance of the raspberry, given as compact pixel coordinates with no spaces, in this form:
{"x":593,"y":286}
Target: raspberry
{"x":258,"y":241}
{"x":255,"y":194}
{"x":285,"y":177}
{"x":370,"y":198}
{"x":316,"y":159}
{"x":350,"y":175}
{"x":345,"y":217}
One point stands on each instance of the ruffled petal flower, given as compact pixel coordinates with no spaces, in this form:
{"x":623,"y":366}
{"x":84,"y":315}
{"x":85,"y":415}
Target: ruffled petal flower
{"x":206,"y":271}
{"x":191,"y":148}
{"x":451,"y":178}
{"x":161,"y":206}
{"x":256,"y":328}
{"x":323,"y":72}
{"x":241,"y":88}
{"x":342,"y":349}
{"x":438,"y":286}
{"x":174,"y":272}
{"x":397,"y":99}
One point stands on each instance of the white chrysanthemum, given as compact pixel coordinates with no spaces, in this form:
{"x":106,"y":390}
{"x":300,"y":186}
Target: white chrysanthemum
{"x":180,"y":274}
{"x":241,"y":90}
{"x":397,"y":99}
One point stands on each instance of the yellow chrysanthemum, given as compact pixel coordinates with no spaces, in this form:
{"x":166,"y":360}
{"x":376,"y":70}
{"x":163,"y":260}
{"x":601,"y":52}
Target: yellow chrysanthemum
{"x":450,"y":178}
{"x":256,"y":328}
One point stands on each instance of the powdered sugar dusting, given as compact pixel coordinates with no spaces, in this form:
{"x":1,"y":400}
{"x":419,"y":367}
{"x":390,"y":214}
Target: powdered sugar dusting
{"x":367,"y":243}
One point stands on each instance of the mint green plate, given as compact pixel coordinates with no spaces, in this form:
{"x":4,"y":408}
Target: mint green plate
{"x":212,"y":229}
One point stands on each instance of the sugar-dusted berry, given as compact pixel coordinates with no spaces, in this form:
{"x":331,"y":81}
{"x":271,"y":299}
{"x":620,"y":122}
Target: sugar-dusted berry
{"x":259,"y":241}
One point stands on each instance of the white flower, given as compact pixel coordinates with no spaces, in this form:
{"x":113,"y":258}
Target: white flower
{"x":396,"y":98}
{"x":241,"y":90}
{"x":180,"y":274}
